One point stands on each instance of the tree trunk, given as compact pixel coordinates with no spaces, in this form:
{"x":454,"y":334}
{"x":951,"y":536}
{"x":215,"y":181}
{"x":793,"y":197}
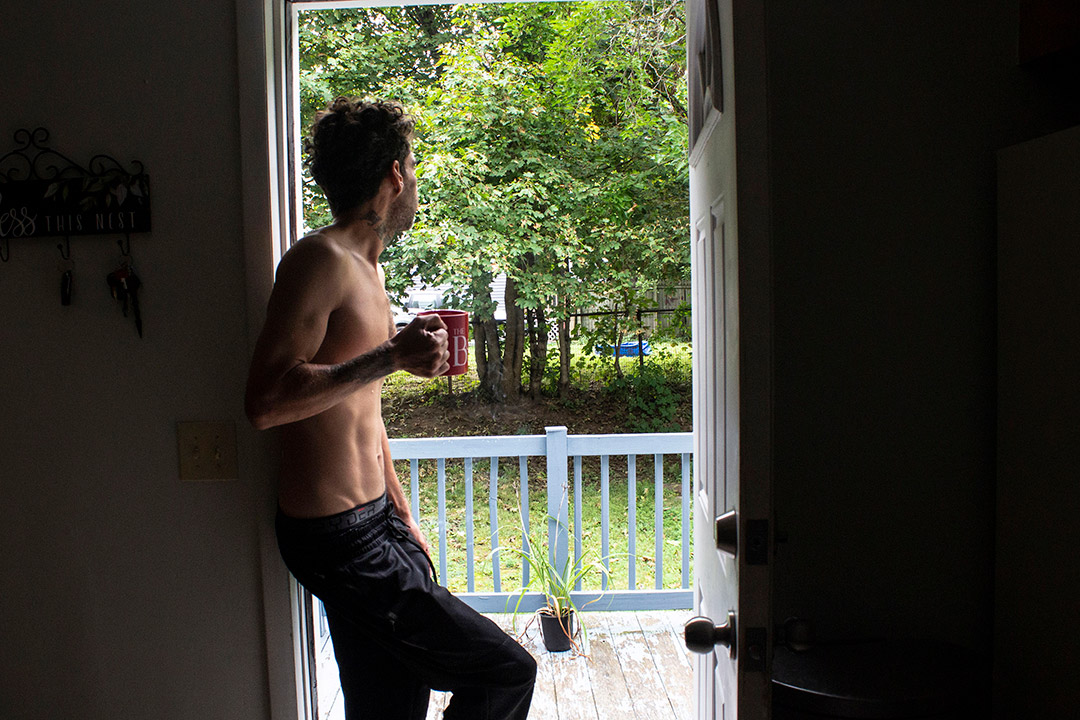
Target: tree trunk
{"x":618,"y":343}
{"x":479,"y":339}
{"x":564,"y":352}
{"x":488,"y":361}
{"x":538,"y":342}
{"x":486,"y":339}
{"x":493,"y":383}
{"x":513,"y":345}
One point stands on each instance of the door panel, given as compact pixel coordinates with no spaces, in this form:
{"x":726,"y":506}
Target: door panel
{"x":732,"y":349}
{"x":716,"y":571}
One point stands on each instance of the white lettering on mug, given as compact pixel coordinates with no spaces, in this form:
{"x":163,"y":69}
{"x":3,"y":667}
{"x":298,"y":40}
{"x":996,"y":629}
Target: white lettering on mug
{"x":461,"y":353}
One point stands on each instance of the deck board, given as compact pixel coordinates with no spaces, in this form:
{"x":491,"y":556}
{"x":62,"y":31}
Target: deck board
{"x":635,"y":667}
{"x":573,"y":690}
{"x":647,"y":690}
{"x":609,"y":684}
{"x":673,"y":668}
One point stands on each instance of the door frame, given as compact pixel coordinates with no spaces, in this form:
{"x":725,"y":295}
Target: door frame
{"x":269,"y":212}
{"x":261,"y":66}
{"x":755,"y":281}
{"x":744,"y":196}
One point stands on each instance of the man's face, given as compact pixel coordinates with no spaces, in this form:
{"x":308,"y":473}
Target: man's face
{"x":402,"y":212}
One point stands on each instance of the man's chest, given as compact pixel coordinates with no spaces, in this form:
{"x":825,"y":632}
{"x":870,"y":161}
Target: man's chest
{"x":360,"y":324}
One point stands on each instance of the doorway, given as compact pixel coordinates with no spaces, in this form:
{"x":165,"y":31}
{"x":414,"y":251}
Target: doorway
{"x":312,"y":61}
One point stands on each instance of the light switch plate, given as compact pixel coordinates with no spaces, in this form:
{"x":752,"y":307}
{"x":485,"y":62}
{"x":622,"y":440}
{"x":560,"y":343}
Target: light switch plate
{"x":207,"y":450}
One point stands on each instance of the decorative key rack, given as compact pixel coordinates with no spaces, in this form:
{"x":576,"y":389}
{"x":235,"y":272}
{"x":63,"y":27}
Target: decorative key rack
{"x":43,"y":193}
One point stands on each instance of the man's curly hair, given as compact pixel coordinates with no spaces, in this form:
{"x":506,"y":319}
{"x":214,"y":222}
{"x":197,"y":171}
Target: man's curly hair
{"x":352,"y":145}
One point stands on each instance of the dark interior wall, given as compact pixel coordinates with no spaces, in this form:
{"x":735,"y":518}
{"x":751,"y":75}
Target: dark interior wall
{"x":125,"y":593}
{"x":1037,"y":578}
{"x":884,"y":120}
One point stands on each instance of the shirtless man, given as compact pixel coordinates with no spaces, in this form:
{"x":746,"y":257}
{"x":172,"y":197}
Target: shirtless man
{"x":344,"y":526}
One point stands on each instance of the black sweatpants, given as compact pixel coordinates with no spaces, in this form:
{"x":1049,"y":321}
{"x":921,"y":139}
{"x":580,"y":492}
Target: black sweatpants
{"x":397,"y":633}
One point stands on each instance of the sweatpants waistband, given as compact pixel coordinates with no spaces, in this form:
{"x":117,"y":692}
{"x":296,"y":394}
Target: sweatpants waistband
{"x":359,"y":516}
{"x":346,"y":534}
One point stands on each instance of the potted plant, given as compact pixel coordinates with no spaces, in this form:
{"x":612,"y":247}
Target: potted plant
{"x":559,"y":614}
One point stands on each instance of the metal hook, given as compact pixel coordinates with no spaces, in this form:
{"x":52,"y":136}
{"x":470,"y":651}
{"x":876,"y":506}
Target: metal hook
{"x":61,"y":247}
{"x":5,"y":251}
{"x":125,"y":249}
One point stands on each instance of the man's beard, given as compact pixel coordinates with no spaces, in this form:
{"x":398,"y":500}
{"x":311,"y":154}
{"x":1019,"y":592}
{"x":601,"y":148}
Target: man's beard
{"x":399,"y":218}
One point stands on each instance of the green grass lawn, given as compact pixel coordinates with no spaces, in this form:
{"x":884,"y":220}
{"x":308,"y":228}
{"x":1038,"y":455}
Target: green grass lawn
{"x":510,"y":524}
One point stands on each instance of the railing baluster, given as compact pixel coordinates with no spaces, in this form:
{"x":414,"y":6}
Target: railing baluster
{"x":604,"y":513}
{"x":414,"y":488}
{"x":658,"y":530}
{"x":686,"y":520}
{"x":631,"y":507}
{"x":442,"y":521}
{"x":523,"y":471}
{"x":557,"y":497}
{"x":470,"y":581}
{"x":493,"y":515}
{"x":577,"y":514}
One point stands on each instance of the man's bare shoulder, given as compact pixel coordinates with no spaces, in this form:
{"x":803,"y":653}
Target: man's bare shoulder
{"x":318,"y":250}
{"x":318,"y":263}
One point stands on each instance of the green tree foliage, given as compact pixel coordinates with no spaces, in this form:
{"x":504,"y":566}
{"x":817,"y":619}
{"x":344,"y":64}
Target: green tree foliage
{"x":551,"y":146}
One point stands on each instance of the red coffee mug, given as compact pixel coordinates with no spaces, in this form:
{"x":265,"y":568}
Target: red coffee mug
{"x":457,"y":327}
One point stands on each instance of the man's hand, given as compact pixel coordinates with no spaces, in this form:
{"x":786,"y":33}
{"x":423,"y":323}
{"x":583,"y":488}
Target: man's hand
{"x":421,"y":347}
{"x":418,"y":535}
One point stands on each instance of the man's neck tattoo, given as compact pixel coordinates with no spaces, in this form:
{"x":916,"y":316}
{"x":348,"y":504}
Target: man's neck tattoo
{"x":379,"y":226}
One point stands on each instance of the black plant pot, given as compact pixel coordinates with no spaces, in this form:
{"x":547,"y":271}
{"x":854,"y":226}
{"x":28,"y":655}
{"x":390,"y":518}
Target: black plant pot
{"x":557,"y":631}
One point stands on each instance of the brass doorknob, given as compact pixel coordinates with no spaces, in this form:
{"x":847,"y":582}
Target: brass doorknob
{"x":702,"y":635}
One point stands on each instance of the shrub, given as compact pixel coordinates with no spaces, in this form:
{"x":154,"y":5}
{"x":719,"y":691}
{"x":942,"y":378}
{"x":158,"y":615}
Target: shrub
{"x":654,"y":391}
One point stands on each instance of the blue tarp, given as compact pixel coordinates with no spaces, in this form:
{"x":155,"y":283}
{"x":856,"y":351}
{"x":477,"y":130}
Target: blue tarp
{"x":627,"y":349}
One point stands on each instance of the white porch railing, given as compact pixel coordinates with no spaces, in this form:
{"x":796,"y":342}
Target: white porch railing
{"x":559,"y":448}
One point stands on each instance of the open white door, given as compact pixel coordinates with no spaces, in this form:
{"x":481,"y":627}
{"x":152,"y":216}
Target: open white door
{"x":732,"y":359}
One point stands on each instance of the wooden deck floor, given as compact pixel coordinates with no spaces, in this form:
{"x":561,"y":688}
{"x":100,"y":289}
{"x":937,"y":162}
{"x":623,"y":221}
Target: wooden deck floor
{"x":636,"y":667}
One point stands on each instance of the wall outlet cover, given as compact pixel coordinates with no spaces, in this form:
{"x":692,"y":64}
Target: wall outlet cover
{"x":207,"y":450}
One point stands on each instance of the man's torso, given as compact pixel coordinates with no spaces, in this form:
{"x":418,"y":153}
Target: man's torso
{"x":334,"y":461}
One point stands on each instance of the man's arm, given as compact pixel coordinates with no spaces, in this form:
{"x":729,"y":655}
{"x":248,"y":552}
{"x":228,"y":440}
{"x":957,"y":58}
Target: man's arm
{"x":397,"y":496}
{"x":283,"y":384}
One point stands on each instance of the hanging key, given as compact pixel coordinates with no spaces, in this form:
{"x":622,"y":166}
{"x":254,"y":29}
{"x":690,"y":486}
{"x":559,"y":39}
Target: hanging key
{"x":118,"y":286}
{"x":67,"y":274}
{"x":67,"y":278}
{"x":117,"y":280}
{"x":133,"y":283}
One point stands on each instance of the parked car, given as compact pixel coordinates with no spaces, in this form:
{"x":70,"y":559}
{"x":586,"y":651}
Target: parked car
{"x":402,"y":316}
{"x":420,"y":298}
{"x":425,"y":299}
